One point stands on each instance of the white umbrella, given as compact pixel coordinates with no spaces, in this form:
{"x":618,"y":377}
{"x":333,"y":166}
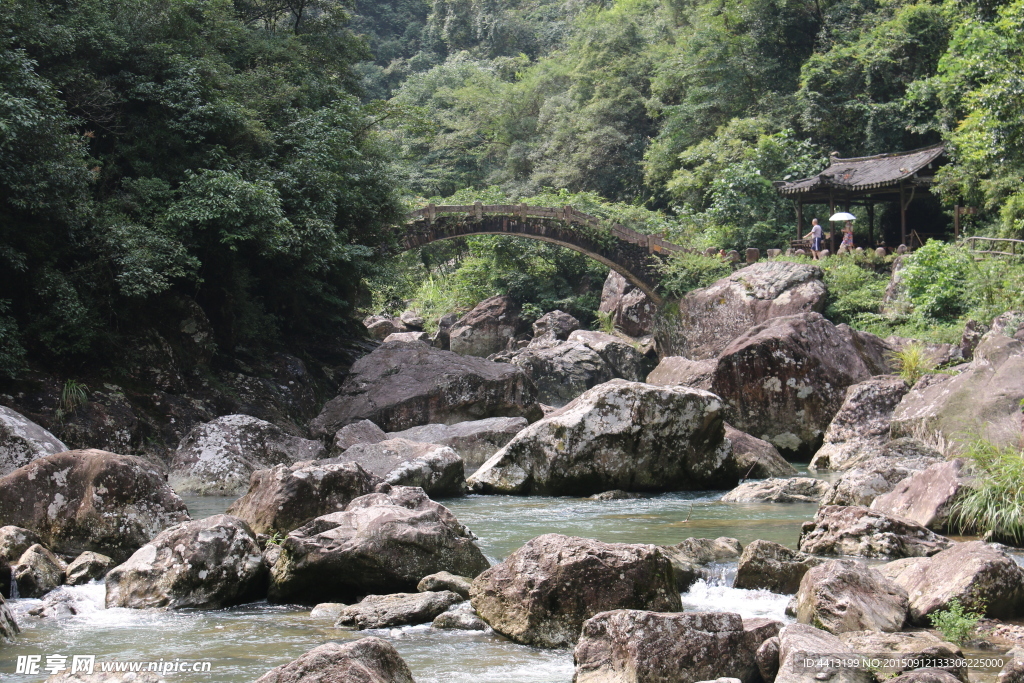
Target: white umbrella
{"x":842,"y":216}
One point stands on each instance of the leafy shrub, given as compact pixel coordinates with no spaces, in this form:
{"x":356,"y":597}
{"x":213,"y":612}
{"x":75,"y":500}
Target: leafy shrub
{"x":853,"y":289}
{"x":934,"y":279}
{"x":955,"y":623}
{"x":683,"y":272}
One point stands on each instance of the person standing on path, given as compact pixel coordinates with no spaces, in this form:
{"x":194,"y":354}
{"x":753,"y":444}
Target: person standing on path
{"x":815,"y":236}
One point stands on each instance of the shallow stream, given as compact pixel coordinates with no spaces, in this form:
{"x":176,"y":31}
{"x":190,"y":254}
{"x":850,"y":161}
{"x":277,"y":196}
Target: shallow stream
{"x":243,"y":643}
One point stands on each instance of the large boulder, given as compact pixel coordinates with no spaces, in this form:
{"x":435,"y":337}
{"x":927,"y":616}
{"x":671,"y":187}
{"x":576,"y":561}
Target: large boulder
{"x":926,"y":675}
{"x":555,"y":324}
{"x":927,"y":497}
{"x":983,"y":400}
{"x":981,"y":576}
{"x":284,"y":498}
{"x":487,"y":328}
{"x":399,"y":386}
{"x":543,"y":592}
{"x":810,"y":655}
{"x":632,"y":311}
{"x":627,"y":359}
{"x":784,"y":380}
{"x":22,"y":441}
{"x":691,"y":556}
{"x":206,"y":564}
{"x":900,"y":652}
{"x":678,"y":370}
{"x":382,"y":543}
{"x":474,"y":441}
{"x":381,"y":326}
{"x":843,"y":595}
{"x":88,"y":566}
{"x":363,"y":431}
{"x":789,"y":490}
{"x":619,"y":435}
{"x":770,"y":566}
{"x":711,"y":317}
{"x":8,"y":624}
{"x":755,"y":458}
{"x":368,"y":660}
{"x":870,"y":479}
{"x":14,"y":541}
{"x":445,"y":581}
{"x":37,"y":572}
{"x":861,"y":427}
{"x":219,"y":457}
{"x":633,"y":646}
{"x":859,"y":531}
{"x":397,"y":609}
{"x":438,"y":470}
{"x":90,"y":500}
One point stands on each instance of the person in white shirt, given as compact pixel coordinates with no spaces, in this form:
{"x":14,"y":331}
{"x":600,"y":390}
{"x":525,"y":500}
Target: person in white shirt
{"x":815,"y":235}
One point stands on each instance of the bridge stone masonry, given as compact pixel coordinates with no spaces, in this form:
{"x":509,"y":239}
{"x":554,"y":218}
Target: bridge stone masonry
{"x":630,"y":253}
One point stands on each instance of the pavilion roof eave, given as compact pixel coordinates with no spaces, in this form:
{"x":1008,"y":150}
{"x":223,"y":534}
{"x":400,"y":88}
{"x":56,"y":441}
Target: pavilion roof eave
{"x":861,"y":176}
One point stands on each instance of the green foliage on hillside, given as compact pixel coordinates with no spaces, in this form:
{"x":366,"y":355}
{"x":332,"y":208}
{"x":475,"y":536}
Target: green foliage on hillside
{"x":157,"y":149}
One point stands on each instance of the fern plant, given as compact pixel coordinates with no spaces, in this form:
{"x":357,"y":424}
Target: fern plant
{"x":72,"y":395}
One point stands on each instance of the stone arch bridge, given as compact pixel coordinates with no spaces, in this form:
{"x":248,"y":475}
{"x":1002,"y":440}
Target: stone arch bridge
{"x":630,"y":253}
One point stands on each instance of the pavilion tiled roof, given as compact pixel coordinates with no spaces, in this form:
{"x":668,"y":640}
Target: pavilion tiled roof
{"x":865,"y":173}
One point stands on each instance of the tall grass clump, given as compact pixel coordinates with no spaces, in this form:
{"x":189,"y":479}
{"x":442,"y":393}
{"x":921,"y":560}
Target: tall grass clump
{"x":995,"y":501}
{"x":913,"y":362}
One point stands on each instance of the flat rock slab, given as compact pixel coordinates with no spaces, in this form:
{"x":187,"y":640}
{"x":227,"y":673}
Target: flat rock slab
{"x":858,"y":531}
{"x":790,"y":490}
{"x":22,"y":441}
{"x":927,"y":497}
{"x":843,"y":595}
{"x":397,"y":609}
{"x":368,"y":660}
{"x":475,"y":441}
{"x":436,"y":469}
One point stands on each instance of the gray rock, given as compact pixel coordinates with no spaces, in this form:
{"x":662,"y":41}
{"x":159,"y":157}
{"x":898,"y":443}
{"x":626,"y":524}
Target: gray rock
{"x":785,"y":380}
{"x":368,"y":660}
{"x":791,"y":490}
{"x":927,"y":675}
{"x":635,"y":646}
{"x":771,"y":566}
{"x":616,"y":494}
{"x":1013,"y":670}
{"x":399,"y":386}
{"x":380,"y":326}
{"x":870,"y":479}
{"x":441,"y":338}
{"x":474,"y":441}
{"x":619,"y":435}
{"x":459,"y":620}
{"x":14,"y":541}
{"x":628,"y":359}
{"x":90,"y":500}
{"x":382,"y":543}
{"x":206,"y":564}
{"x":219,"y":457}
{"x":286,"y":497}
{"x":87,"y":567}
{"x":755,"y":458}
{"x":412,"y":320}
{"x":22,"y":441}
{"x":363,"y":431}
{"x":438,"y":470}
{"x":767,"y":658}
{"x":60,"y":604}
{"x":983,"y":400}
{"x":558,"y":324}
{"x":487,"y":328}
{"x":408,"y":338}
{"x":544,"y":591}
{"x":798,"y":645}
{"x":631,"y":309}
{"x":8,"y":624}
{"x":690,"y":557}
{"x":107,"y":677}
{"x":397,"y":609}
{"x":563,"y":371}
{"x":937,"y":353}
{"x":975,"y":573}
{"x":843,"y":595}
{"x":856,"y":530}
{"x":861,"y":427}
{"x":37,"y":572}
{"x":908,"y":650}
{"x":927,"y":497}
{"x":681,"y":371}
{"x":446,"y":581}
{"x":715,"y":315}
{"x":327,"y":610}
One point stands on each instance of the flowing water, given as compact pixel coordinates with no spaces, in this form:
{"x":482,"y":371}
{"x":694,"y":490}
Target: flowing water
{"x":244,"y":642}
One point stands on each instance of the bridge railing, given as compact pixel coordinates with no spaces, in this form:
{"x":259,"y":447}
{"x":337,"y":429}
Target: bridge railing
{"x":567,"y":214}
{"x":995,"y":246}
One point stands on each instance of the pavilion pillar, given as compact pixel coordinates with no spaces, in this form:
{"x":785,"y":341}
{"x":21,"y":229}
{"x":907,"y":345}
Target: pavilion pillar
{"x":799,"y":218}
{"x":871,"y":223}
{"x":831,"y":226}
{"x":903,"y":217}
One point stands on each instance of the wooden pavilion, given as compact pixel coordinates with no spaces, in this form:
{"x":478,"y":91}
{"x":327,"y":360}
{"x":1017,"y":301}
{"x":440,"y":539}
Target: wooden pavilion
{"x":866,"y":181}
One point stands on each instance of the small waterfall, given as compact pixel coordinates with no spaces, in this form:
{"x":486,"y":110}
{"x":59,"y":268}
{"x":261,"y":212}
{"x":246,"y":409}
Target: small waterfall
{"x":14,"y":586}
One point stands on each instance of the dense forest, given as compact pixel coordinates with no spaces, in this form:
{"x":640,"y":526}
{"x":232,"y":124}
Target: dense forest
{"x":248,"y":156}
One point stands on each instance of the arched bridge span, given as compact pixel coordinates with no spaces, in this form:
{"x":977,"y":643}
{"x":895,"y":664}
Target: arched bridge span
{"x":630,"y":253}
